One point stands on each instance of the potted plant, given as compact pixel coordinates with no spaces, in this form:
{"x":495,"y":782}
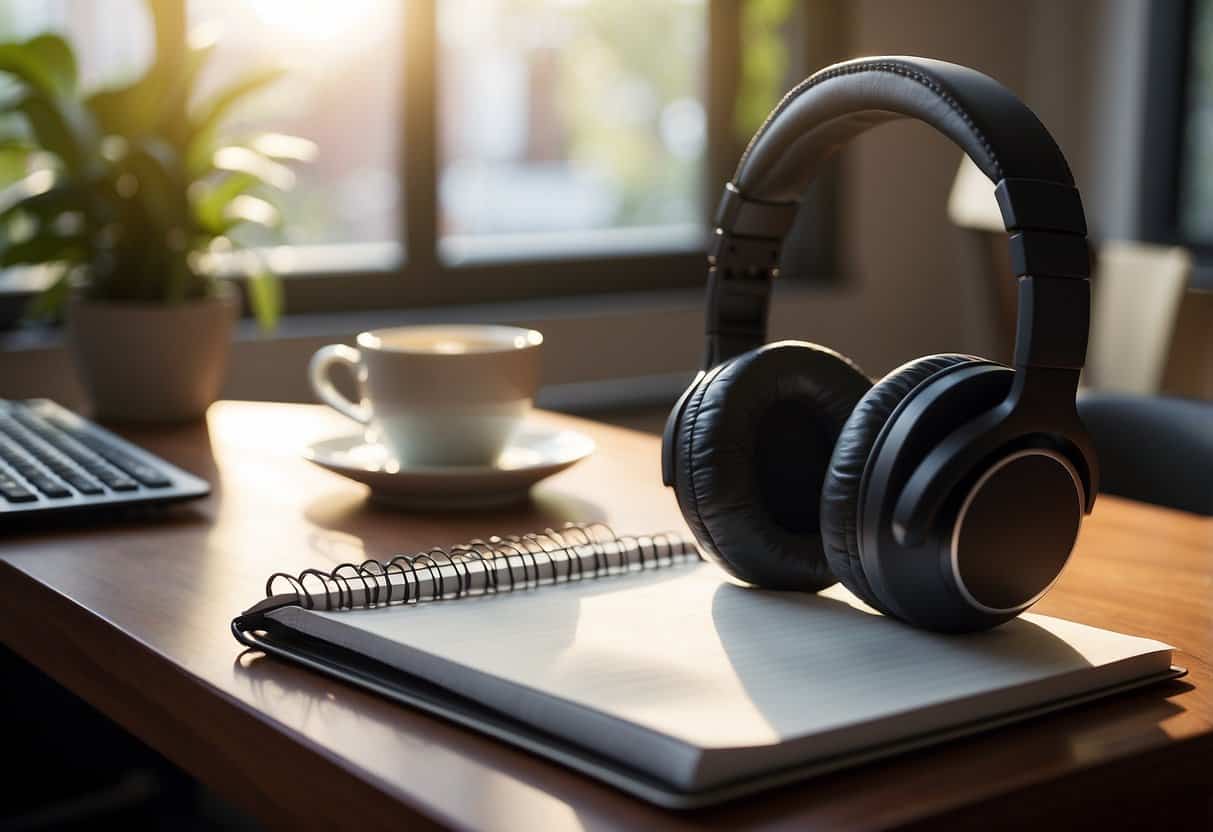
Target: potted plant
{"x":135,"y":193}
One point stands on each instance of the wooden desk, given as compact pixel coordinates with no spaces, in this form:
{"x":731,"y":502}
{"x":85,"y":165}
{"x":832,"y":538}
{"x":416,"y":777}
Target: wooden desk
{"x":134,"y":618}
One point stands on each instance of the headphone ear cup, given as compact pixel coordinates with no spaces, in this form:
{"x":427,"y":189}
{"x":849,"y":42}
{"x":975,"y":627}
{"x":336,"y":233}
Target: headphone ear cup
{"x":840,"y":489}
{"x":752,"y":447}
{"x":684,"y":487}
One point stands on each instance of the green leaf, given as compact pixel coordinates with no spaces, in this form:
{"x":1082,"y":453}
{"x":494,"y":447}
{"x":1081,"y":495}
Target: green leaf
{"x":31,"y":185}
{"x":50,"y":304}
{"x":156,"y":169}
{"x":204,"y":122}
{"x":43,"y":248}
{"x":196,"y":58}
{"x":265,"y":298}
{"x":14,"y":129}
{"x":132,"y":110}
{"x":154,"y":103}
{"x":243,"y":160}
{"x":45,"y":63}
{"x":62,"y":127}
{"x":14,"y":161}
{"x":178,"y":280}
{"x":283,"y":148}
{"x":46,"y":205}
{"x":59,"y":62}
{"x":170,"y":81}
{"x":213,"y":200}
{"x":251,"y":209}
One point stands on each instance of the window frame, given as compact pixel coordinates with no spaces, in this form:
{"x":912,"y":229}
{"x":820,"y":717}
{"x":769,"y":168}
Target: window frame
{"x":1161,"y":169}
{"x":417,"y":274}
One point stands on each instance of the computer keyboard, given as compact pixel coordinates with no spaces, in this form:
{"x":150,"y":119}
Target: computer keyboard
{"x":53,"y":460}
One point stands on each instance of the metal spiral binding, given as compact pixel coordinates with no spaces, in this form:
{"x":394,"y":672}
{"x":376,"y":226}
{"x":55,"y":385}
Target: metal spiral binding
{"x":499,"y":564}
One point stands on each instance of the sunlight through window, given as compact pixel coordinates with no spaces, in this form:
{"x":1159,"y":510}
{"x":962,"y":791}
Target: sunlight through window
{"x":571,"y":115}
{"x":342,"y":90}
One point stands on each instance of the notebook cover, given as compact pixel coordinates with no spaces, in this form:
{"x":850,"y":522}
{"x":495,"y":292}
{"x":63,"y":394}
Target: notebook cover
{"x":407,"y":689}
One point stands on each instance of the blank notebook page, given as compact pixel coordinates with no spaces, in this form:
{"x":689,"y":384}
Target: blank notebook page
{"x":687,"y":657}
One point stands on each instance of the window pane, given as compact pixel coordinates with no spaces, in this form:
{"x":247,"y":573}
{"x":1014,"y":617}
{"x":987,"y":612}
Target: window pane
{"x":1196,"y":193}
{"x":571,"y":115}
{"x":112,"y":39}
{"x":342,"y":90}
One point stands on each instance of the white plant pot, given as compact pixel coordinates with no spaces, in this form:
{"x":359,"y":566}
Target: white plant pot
{"x":144,"y":362}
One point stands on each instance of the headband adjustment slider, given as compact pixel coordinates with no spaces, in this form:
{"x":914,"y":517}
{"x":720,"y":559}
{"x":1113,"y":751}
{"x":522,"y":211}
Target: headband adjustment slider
{"x":737,"y":255}
{"x":1040,"y":205}
{"x":1049,"y":254}
{"x":741,"y":215}
{"x":736,"y":315}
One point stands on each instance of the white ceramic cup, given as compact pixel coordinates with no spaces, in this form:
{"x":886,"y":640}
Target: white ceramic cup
{"x":437,"y":395}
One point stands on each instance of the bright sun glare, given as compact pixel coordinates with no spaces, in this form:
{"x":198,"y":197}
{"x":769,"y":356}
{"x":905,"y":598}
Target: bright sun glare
{"x":318,"y":20}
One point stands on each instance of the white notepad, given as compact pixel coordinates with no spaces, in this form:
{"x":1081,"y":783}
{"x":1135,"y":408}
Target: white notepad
{"x":698,"y":683}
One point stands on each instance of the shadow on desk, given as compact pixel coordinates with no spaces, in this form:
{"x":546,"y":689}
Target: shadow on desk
{"x":357,"y":514}
{"x":110,"y":521}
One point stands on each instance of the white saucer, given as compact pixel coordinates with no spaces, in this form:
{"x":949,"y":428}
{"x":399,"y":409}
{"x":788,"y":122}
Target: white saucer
{"x":534,"y":453}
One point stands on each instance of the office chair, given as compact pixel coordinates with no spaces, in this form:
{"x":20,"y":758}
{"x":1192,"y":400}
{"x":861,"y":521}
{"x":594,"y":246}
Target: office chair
{"x":1137,"y":294}
{"x":1157,"y":449}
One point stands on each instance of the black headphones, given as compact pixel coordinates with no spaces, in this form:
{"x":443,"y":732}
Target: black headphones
{"x":949,"y":494}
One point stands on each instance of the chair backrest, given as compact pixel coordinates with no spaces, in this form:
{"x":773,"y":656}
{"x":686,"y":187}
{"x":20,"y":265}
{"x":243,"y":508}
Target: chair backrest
{"x":1153,"y":448}
{"x":1150,"y":332}
{"x":1189,"y":370}
{"x":1136,"y":297}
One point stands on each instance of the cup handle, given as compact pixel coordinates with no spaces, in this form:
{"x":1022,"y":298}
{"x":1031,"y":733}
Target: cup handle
{"x":318,"y":374}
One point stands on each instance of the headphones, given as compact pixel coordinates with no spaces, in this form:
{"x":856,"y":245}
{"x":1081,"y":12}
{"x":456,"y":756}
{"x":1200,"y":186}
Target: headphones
{"x":949,"y":493}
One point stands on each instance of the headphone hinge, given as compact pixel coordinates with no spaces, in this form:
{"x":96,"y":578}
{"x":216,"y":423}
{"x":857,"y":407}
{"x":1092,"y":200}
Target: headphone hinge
{"x":751,"y":217}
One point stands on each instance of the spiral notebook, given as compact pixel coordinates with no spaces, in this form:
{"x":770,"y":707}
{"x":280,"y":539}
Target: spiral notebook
{"x":631,"y":660}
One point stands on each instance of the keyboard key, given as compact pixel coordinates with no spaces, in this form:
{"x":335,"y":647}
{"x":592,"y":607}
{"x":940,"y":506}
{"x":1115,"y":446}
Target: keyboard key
{"x":83,"y":483}
{"x":14,"y":492}
{"x":93,"y":454}
{"x":48,"y":486}
{"x":145,"y":474}
{"x":27,"y":469}
{"x":53,"y":459}
{"x":149,"y":476}
{"x":66,"y":457}
{"x":117,"y":481}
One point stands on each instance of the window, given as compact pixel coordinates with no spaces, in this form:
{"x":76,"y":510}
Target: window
{"x":1196,"y":162}
{"x":580,"y":116}
{"x":112,"y":38}
{"x":1176,"y":174}
{"x":479,"y":150}
{"x":341,"y":90}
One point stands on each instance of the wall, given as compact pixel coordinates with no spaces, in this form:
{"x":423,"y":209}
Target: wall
{"x":1078,"y":64}
{"x":921,"y":288}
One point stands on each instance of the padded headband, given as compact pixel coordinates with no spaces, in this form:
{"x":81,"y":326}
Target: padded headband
{"x":1040,"y":206}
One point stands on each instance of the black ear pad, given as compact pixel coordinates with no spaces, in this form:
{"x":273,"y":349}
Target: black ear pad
{"x":752,"y":448}
{"x":840,"y":490}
